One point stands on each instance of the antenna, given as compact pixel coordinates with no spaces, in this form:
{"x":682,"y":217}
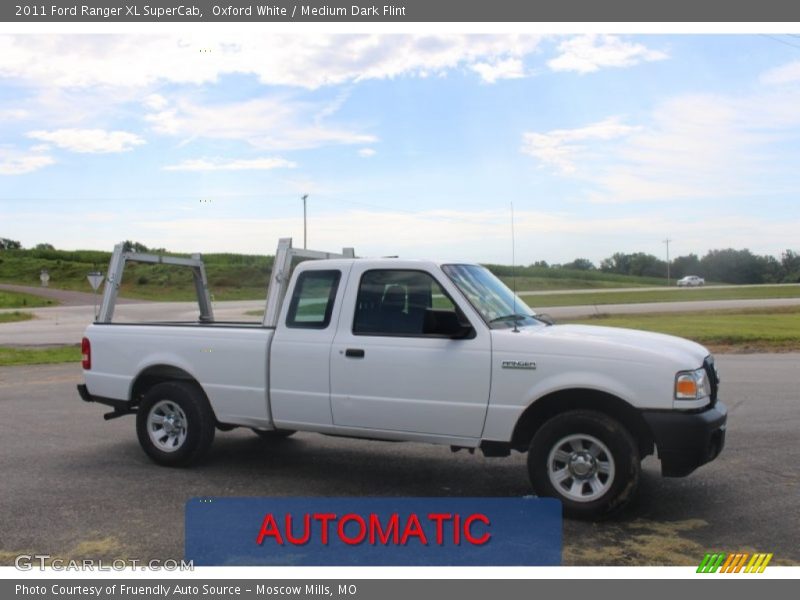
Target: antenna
{"x":514,"y":269}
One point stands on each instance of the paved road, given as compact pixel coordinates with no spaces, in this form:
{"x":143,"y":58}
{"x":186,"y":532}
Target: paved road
{"x":574,"y":312}
{"x":74,"y":485}
{"x":649,"y":289}
{"x":63,"y":297}
{"x":66,"y":324}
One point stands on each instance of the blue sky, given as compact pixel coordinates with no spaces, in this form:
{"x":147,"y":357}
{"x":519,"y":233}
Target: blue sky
{"x":410,"y":145}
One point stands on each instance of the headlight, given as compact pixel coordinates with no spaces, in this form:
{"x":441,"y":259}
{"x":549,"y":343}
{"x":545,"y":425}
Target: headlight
{"x":692,"y":385}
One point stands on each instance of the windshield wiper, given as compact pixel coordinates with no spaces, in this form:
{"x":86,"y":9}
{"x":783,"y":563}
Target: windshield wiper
{"x":515,"y":317}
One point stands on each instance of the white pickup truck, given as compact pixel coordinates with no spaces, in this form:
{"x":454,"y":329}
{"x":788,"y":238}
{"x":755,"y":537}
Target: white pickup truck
{"x":413,"y":350}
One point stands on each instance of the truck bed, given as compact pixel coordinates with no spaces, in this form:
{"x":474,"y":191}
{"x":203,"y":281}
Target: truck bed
{"x":229,"y":360}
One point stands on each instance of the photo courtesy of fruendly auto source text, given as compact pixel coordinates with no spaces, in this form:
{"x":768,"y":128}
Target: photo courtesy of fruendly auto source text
{"x":425,"y":299}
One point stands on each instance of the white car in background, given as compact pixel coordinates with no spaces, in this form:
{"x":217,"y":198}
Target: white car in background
{"x":691,"y":281}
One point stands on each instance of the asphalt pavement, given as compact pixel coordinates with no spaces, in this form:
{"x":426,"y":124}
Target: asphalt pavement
{"x":76,"y":486}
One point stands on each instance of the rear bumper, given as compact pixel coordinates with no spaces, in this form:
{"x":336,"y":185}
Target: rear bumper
{"x":687,"y":440}
{"x":121,"y":407}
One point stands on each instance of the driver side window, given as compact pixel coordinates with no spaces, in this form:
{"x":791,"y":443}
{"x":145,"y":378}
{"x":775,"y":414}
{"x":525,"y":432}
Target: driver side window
{"x":396,"y":302}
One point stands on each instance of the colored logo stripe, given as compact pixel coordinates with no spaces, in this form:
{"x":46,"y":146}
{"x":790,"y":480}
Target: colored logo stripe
{"x":711,"y":562}
{"x":733,"y":563}
{"x":758,"y":563}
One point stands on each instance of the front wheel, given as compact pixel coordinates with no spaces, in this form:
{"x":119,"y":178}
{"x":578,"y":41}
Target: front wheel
{"x":175,"y":424}
{"x":587,"y":460}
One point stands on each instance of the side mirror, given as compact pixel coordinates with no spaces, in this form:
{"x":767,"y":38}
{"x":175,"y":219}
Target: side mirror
{"x":446,"y":323}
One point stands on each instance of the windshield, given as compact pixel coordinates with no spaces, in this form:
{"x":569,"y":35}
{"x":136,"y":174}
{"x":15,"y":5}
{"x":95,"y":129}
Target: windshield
{"x":489,"y":296}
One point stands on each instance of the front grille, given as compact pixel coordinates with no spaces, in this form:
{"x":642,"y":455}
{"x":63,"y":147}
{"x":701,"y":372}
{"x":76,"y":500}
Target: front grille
{"x":713,"y":378}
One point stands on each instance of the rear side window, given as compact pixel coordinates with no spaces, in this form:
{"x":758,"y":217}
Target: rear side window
{"x":312,"y":300}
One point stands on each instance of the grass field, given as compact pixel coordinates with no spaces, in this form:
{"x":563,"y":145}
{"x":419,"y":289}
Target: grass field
{"x":230,"y":276}
{"x":38,"y":356}
{"x":243,"y":277}
{"x":766,"y":330}
{"x":671,"y":295}
{"x":13,"y":317}
{"x":544,"y":284}
{"x":185,"y":294}
{"x":17,"y":300}
{"x":563,"y":278}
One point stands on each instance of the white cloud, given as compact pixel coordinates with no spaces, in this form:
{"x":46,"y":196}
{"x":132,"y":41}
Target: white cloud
{"x":367,"y":152}
{"x":155,"y":102}
{"x":448,"y":234}
{"x":14,"y":114}
{"x":90,"y":141}
{"x":705,"y":146}
{"x":788,"y":73}
{"x":251,"y":164}
{"x":479,"y":235}
{"x":691,"y":147}
{"x":266,"y":123}
{"x":589,"y":53}
{"x":509,"y":68}
{"x":558,"y":148}
{"x":13,"y":162}
{"x":308,"y":61}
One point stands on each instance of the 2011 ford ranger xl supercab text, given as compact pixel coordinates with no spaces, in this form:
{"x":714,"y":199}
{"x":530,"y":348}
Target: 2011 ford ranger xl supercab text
{"x":412,"y":350}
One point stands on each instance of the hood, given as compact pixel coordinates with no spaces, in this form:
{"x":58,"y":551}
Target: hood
{"x":609,"y":343}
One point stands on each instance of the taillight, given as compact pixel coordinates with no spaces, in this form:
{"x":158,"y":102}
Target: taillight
{"x":86,"y":351}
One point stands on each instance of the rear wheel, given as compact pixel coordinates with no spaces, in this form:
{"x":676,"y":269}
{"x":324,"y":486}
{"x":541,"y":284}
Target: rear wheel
{"x":175,"y":424}
{"x":587,"y":460}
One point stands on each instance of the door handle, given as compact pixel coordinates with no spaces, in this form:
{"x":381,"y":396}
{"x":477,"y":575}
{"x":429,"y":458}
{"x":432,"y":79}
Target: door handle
{"x":354,"y":353}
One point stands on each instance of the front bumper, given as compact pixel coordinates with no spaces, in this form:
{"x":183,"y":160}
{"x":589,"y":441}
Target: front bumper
{"x":687,"y":440}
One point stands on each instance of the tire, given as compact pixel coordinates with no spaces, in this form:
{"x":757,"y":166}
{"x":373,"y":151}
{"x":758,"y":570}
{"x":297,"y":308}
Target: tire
{"x":175,"y":424}
{"x":273,"y":434}
{"x":587,"y":460}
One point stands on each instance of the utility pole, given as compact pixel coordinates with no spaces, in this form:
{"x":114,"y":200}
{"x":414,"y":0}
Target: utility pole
{"x":667,"y":241}
{"x":305,"y":197}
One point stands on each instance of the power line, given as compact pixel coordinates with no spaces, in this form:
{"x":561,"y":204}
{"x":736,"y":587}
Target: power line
{"x":780,"y":41}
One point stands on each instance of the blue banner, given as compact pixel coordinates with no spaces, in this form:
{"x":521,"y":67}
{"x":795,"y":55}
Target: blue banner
{"x":373,"y":531}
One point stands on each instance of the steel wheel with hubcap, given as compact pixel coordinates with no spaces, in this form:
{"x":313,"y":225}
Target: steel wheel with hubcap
{"x":166,"y":425}
{"x":586,"y":459}
{"x":175,"y":423}
{"x":581,"y":467}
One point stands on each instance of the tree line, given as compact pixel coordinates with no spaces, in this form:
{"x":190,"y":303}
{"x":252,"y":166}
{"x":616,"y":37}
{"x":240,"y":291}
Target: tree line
{"x":727,"y":265}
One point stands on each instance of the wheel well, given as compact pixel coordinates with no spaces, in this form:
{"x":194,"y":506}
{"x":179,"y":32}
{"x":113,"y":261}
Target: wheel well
{"x":154,"y":375}
{"x":558,"y":402}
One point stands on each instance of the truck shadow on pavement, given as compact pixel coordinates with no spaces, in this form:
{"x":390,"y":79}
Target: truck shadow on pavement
{"x":670,"y":522}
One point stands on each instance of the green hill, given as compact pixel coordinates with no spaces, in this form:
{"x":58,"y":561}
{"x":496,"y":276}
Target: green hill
{"x":231,"y":276}
{"x":242,"y":276}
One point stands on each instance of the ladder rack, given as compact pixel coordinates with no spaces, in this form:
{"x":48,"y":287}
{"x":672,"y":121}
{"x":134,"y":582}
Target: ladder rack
{"x":116,"y":267}
{"x":278,"y":281}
